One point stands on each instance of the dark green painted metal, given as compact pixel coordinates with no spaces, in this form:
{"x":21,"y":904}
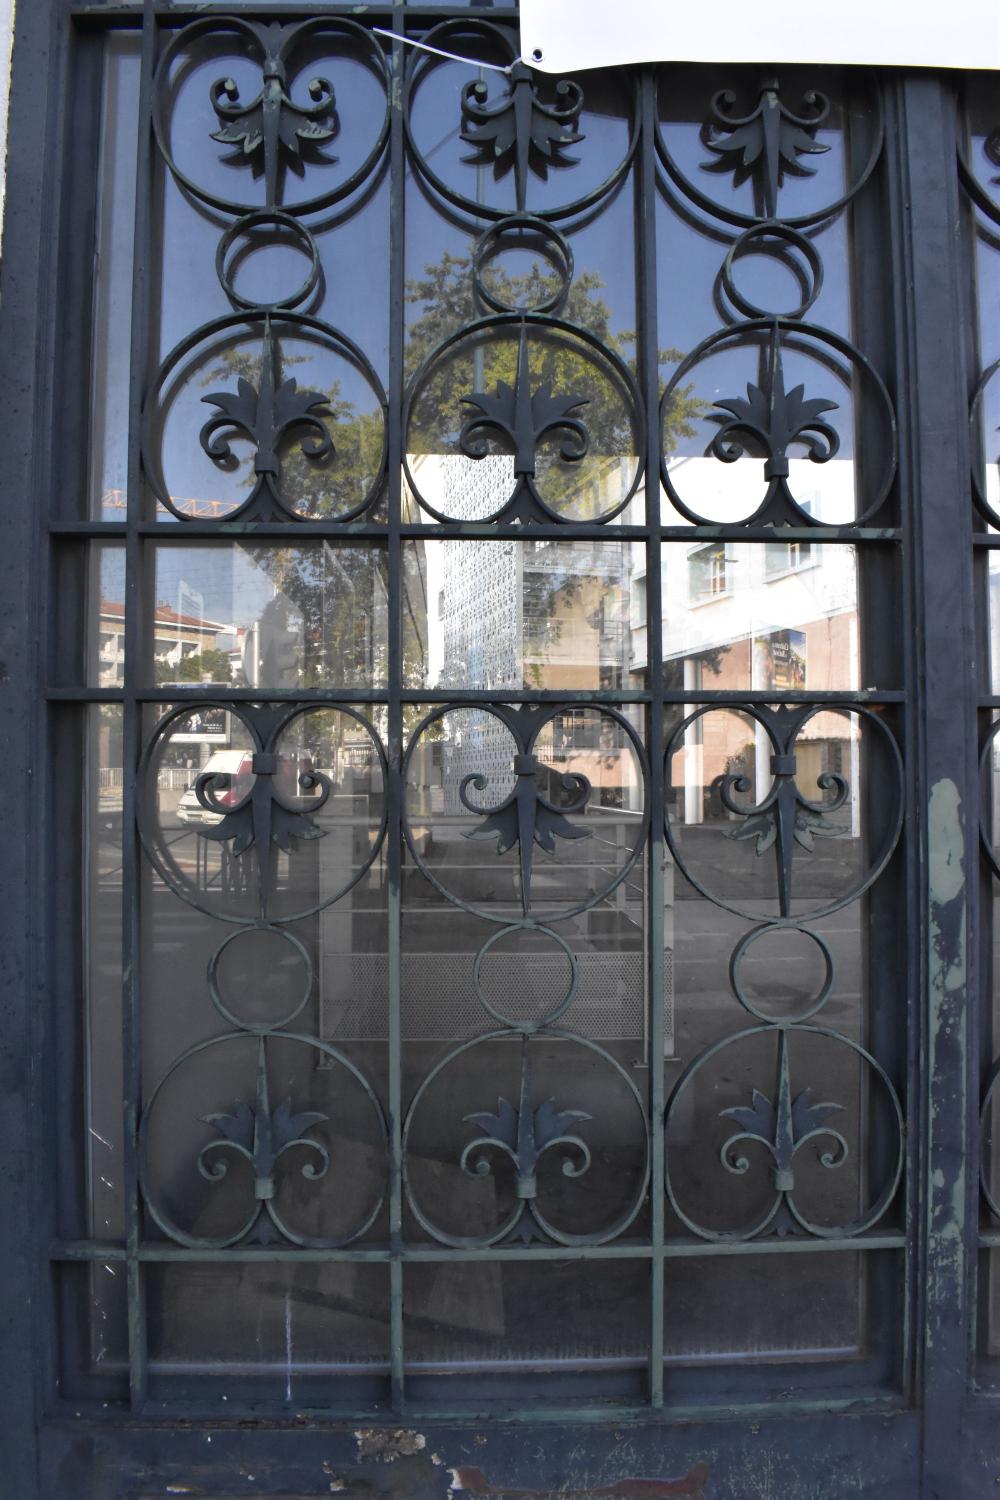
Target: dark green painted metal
{"x":873,"y":1442}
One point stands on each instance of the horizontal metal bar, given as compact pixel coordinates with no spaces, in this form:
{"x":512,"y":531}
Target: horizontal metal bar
{"x":131,"y":11}
{"x":989,"y":1239}
{"x":860,"y":695}
{"x":855,"y":1405}
{"x":342,"y":533}
{"x":85,"y":695}
{"x":95,"y":1250}
{"x":167,"y":1413}
{"x":197,"y":694}
{"x":690,"y":1249}
{"x":88,"y":530}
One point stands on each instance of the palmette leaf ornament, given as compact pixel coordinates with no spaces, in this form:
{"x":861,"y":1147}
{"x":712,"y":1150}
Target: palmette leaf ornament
{"x":767,"y":143}
{"x":519,"y":132}
{"x":766,"y":423}
{"x":784,"y":817}
{"x":524,"y":1134}
{"x":273,"y":125}
{"x":267,"y":417}
{"x":261,"y":1136}
{"x":523,"y":417}
{"x":782,"y":1127}
{"x":264,"y":815}
{"x":527,"y":817}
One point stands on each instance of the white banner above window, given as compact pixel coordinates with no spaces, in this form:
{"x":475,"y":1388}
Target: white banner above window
{"x":560,"y":36}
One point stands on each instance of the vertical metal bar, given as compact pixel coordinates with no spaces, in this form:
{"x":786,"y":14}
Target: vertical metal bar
{"x":650,"y":383}
{"x":132,"y":726}
{"x":30,"y":279}
{"x":944,"y":773}
{"x":394,"y":842}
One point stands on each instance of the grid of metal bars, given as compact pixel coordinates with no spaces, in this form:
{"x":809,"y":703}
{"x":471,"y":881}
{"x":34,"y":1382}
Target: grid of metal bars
{"x":780,"y":725}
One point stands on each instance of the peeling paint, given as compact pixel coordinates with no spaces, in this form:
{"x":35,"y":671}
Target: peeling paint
{"x":385,"y":1445}
{"x":945,"y":844}
{"x":470,"y":1481}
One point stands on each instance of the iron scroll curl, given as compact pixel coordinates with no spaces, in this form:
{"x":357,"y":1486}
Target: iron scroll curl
{"x":291,"y":415}
{"x":521,"y":425}
{"x":525,"y":726}
{"x":785,"y":804}
{"x":265,"y":728}
{"x":515,"y":137}
{"x":265,"y":130}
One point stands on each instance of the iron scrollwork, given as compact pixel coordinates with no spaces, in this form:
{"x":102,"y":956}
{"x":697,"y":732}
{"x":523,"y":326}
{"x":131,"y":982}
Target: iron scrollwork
{"x":519,"y":131}
{"x":539,"y":1124}
{"x":274,"y":415}
{"x":781,"y":1124}
{"x":270,"y":130}
{"x":270,"y":133}
{"x":768,"y":142}
{"x":269,"y":815}
{"x":268,"y":1138}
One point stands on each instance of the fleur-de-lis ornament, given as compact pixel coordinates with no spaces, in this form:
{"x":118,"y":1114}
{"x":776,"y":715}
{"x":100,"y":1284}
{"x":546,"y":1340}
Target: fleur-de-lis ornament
{"x":272,"y":125}
{"x":264,"y":815}
{"x":518,"y":131}
{"x":782,"y":1127}
{"x":266,"y":416}
{"x":765,"y":425}
{"x":527,"y":817}
{"x":765,"y":144}
{"x":784,"y":818}
{"x":261,"y":1136}
{"x":523,"y":417}
{"x":524,"y":1134}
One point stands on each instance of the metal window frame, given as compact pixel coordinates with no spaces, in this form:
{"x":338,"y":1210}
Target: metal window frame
{"x":938,"y":1438}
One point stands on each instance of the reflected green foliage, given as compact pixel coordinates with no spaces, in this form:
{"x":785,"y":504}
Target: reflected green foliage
{"x":446,"y":301}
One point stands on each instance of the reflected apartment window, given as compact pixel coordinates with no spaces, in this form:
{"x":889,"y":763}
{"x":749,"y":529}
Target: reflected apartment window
{"x":709,"y":572}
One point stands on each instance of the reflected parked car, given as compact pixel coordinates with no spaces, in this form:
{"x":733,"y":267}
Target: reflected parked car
{"x":234,"y":772}
{"x":232,"y":768}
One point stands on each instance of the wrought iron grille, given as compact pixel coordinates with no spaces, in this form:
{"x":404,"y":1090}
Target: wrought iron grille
{"x":509,"y":897}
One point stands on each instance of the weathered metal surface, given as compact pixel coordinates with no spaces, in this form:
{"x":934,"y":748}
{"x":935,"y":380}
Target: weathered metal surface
{"x":906,"y":1425}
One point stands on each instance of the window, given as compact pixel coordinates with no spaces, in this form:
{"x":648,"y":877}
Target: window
{"x":518,"y":974}
{"x":709,"y":575}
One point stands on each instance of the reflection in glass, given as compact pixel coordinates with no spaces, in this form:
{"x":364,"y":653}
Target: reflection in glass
{"x":499,"y":1316}
{"x":95,"y":656}
{"x":501,"y":412}
{"x":249,"y":615}
{"x":305,"y":1319}
{"x":113,"y":279}
{"x":486,"y":614}
{"x":740,"y":615}
{"x":104,"y":1142}
{"x":264,"y":413}
{"x":324,"y":763}
{"x":103,"y":887}
{"x":788,"y":1306}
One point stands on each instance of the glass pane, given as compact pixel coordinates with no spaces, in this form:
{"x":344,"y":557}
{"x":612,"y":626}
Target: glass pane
{"x":113,"y":278}
{"x":298,"y":1320}
{"x":104,"y":973}
{"x":510,"y":1317}
{"x":250,"y":615}
{"x":741,"y":615}
{"x":790,"y":1306}
{"x":519,"y":615}
{"x":766,"y":420}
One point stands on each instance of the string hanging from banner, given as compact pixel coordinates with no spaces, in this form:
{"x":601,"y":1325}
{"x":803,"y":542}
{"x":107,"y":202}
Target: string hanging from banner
{"x":473,"y":62}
